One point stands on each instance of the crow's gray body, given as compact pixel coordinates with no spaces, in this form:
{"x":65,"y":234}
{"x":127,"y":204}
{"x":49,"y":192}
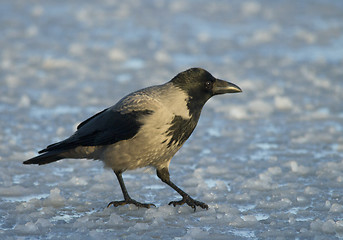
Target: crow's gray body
{"x":145,"y":136}
{"x":145,"y":128}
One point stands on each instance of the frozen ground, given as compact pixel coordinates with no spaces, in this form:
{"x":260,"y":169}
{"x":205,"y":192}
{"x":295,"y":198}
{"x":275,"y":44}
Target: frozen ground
{"x":268,"y":161}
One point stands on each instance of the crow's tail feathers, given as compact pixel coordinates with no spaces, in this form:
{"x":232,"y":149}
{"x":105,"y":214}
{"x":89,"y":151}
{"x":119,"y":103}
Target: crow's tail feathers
{"x":45,"y":158}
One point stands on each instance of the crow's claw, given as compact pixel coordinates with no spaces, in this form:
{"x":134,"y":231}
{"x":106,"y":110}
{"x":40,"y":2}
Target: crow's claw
{"x":130,"y":201}
{"x":191,"y":202}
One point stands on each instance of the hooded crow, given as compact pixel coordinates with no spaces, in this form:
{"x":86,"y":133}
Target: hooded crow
{"x":145,"y":128}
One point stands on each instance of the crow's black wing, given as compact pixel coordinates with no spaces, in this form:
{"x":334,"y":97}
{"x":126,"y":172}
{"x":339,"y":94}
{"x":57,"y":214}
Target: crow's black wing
{"x":104,"y":128}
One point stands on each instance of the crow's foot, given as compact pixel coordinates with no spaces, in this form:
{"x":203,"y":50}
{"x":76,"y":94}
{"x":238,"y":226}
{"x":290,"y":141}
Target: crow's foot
{"x":130,"y":201}
{"x":191,"y":202}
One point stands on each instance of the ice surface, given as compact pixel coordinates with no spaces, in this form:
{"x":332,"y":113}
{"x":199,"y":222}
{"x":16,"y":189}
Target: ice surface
{"x":268,"y":161}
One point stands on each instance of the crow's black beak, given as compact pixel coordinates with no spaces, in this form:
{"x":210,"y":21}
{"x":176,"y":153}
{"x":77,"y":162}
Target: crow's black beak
{"x":221,"y":87}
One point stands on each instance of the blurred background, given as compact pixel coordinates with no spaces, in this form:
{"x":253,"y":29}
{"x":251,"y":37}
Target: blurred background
{"x":268,"y":161}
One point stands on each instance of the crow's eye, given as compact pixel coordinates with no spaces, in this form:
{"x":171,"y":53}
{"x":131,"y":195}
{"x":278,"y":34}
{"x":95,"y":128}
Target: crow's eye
{"x":208,"y":85}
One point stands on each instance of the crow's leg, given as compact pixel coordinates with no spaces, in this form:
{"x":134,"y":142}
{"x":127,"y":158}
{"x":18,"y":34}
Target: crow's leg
{"x":163,"y":174}
{"x":127,"y":198}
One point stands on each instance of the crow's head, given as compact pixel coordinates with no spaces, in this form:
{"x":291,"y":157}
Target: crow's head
{"x":200,"y":85}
